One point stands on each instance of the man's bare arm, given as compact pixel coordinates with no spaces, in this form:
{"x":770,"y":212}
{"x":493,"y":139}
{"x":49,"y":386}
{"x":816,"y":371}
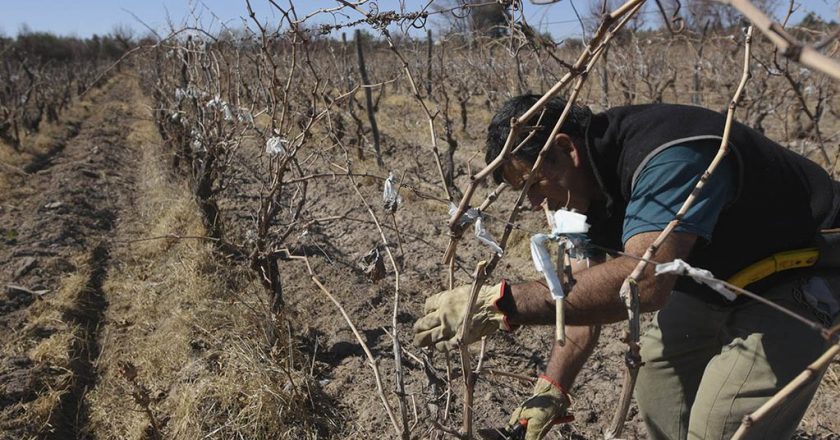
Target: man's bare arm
{"x":595,"y":299}
{"x":567,"y":360}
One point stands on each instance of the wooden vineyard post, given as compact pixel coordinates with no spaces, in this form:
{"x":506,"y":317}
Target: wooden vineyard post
{"x":429,"y":62}
{"x":368,"y":98}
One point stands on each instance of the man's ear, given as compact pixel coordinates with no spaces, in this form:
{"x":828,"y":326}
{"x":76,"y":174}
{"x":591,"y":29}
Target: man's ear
{"x":563,"y":144}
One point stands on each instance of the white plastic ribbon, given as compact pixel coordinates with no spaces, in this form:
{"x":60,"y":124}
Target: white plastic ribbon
{"x":485,"y":237}
{"x":245,"y":116}
{"x":227,"y":111}
{"x":570,"y":228}
{"x":390,"y":195}
{"x":467,"y":218}
{"x":544,"y":265}
{"x":215,"y":103}
{"x":702,"y":276}
{"x":274,"y":146}
{"x":197,"y":144}
{"x":569,"y":222}
{"x":474,"y":216}
{"x":190,"y":92}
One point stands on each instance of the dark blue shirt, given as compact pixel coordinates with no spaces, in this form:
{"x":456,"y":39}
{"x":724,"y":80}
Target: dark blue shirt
{"x":665,"y":182}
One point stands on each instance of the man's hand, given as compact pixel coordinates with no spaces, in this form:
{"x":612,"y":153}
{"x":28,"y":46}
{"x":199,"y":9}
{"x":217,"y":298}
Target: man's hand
{"x":546,"y":408}
{"x":445,"y":311}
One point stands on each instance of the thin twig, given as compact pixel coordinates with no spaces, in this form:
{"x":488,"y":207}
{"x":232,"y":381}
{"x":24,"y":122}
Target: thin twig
{"x":463,"y":345}
{"x":522,"y":377}
{"x":169,"y":237}
{"x":397,"y":350}
{"x":811,"y":374}
{"x":14,"y":169}
{"x":360,"y":339}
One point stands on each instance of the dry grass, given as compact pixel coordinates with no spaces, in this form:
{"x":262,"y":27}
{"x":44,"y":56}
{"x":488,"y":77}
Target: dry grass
{"x":192,"y":325}
{"x":53,"y":355}
{"x":11,"y":173}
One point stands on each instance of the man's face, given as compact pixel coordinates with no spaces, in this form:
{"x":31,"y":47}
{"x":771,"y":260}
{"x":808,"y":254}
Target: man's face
{"x":555,"y":183}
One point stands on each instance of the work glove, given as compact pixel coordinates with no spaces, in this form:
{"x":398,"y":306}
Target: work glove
{"x":547,"y":407}
{"x":445,"y":311}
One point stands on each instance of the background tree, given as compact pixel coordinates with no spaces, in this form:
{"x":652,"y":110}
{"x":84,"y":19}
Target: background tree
{"x":490,"y":20}
{"x":720,"y":17}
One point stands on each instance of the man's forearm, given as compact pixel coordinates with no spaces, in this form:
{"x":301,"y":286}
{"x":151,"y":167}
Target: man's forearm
{"x":593,"y":300}
{"x":567,"y":360}
{"x":595,"y":297}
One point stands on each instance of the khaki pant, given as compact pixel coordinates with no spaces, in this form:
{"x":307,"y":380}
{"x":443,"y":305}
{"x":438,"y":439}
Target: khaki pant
{"x":708,"y":366}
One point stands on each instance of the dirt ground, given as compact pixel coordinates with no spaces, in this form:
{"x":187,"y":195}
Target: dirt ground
{"x":54,"y":254}
{"x":89,"y":300}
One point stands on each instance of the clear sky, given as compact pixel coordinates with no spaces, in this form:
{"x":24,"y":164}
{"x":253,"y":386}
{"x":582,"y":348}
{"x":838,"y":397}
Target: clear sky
{"x":86,"y":17}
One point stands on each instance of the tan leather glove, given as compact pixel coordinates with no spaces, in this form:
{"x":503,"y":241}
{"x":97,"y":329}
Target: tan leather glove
{"x":445,"y":311}
{"x":547,"y":407}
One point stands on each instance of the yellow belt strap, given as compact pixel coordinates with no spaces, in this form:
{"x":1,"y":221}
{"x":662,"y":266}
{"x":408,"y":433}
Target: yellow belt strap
{"x":775,"y":263}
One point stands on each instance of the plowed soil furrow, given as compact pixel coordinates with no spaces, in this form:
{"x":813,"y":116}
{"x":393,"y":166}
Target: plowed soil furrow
{"x":52,"y":265}
{"x":71,"y":416}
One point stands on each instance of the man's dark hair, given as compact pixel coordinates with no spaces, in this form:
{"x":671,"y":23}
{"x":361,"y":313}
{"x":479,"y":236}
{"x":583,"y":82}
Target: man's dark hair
{"x":497,"y":132}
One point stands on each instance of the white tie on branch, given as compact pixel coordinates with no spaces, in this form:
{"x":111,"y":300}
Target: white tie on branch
{"x":474,"y":216}
{"x":629,"y":290}
{"x":702,"y":276}
{"x":390,"y":196}
{"x":544,"y":265}
{"x":274,"y":146}
{"x":215,"y":103}
{"x":245,"y":116}
{"x":466,"y":218}
{"x":219,"y":104}
{"x":485,"y":237}
{"x":227,"y":111}
{"x":567,"y":229}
